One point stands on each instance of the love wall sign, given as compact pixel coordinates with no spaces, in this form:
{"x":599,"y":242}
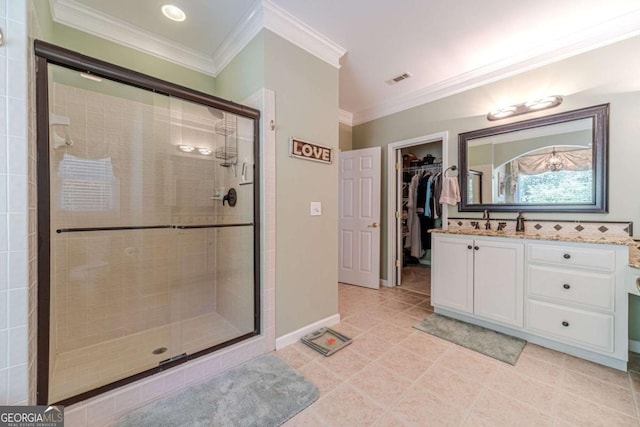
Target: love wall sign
{"x":309,"y":151}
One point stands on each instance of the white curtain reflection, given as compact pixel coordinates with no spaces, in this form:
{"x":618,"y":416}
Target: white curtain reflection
{"x":87,"y":185}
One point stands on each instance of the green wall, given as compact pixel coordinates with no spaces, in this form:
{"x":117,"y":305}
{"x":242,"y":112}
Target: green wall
{"x":306,"y":95}
{"x":245,"y":73}
{"x":606,"y":75}
{"x":345,"y":137}
{"x":306,"y":91}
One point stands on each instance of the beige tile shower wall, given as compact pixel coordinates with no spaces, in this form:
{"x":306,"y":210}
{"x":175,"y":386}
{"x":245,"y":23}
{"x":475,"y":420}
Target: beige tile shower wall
{"x":234,"y":276}
{"x":133,"y":138}
{"x":194,"y":283}
{"x":110,"y":284}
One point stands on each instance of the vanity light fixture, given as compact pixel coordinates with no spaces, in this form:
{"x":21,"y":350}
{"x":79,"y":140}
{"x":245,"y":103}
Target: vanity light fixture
{"x":173,"y":12}
{"x":525,"y":107}
{"x":205,"y":151}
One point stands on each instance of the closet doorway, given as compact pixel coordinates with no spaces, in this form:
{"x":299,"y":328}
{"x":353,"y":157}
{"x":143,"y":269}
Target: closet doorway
{"x":415,"y":166}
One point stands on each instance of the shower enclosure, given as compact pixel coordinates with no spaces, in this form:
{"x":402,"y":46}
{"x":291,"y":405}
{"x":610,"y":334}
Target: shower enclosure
{"x":147,"y":225}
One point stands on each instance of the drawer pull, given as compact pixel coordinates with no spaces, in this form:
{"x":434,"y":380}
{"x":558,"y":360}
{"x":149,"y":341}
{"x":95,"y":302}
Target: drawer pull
{"x":566,"y":256}
{"x":565,"y":324}
{"x":566,"y":286}
{"x":469,"y":247}
{"x":476,"y":248}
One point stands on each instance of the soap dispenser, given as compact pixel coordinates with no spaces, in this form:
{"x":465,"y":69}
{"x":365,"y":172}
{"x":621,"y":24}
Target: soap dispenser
{"x":520,"y":223}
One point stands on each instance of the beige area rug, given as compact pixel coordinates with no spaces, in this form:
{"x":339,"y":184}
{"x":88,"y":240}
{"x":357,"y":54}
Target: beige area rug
{"x":490,"y":343}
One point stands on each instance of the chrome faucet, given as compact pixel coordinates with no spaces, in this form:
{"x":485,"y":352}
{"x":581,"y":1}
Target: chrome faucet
{"x":487,"y":224}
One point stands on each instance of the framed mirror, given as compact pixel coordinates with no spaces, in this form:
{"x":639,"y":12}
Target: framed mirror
{"x":556,"y":163}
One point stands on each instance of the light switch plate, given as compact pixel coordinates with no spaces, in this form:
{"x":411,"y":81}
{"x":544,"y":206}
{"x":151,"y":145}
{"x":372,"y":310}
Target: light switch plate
{"x":316,"y":208}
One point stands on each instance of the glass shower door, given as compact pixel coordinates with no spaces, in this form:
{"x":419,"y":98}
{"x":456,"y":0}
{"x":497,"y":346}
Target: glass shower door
{"x":213,"y":212}
{"x":152,"y":232}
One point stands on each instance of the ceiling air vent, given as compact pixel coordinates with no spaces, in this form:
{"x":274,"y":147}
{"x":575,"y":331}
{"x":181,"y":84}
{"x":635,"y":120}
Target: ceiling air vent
{"x":398,"y":78}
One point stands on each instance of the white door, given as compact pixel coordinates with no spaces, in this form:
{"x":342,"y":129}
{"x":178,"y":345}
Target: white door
{"x":359,"y":217}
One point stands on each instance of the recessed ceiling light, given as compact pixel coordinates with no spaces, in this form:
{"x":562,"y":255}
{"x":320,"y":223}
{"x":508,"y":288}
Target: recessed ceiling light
{"x":173,"y":12}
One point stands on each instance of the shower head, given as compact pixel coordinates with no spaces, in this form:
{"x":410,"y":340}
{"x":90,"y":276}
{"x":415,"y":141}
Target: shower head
{"x":215,"y":112}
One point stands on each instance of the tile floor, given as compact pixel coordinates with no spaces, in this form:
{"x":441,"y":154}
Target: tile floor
{"x":416,"y":278}
{"x":393,"y":375}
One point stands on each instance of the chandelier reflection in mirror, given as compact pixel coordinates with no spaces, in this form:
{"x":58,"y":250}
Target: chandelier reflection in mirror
{"x":555,"y":162}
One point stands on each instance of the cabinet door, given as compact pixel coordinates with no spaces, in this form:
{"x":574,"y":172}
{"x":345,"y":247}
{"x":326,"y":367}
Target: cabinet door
{"x":499,"y":281}
{"x":452,"y":273}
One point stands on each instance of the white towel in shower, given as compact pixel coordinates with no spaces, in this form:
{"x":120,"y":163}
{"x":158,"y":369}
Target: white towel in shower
{"x":450,"y":191}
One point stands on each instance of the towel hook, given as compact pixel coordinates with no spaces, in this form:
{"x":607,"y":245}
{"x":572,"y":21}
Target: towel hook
{"x":453,"y":168}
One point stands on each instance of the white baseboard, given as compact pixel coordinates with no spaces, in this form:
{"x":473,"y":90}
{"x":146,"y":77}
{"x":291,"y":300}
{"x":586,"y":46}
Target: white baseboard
{"x":384,"y":282}
{"x":295,"y":336}
{"x":634,"y":346}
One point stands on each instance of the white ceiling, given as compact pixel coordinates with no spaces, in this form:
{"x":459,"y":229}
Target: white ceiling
{"x":447,"y":45}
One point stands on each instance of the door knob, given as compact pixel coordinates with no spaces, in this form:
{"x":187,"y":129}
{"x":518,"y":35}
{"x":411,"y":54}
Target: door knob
{"x":374,"y":225}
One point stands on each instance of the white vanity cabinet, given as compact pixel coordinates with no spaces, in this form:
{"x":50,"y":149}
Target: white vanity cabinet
{"x":573,"y":294}
{"x":481,"y":276}
{"x":569,"y":296}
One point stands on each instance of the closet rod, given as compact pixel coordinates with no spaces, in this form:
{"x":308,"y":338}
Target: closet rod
{"x":434,"y":166}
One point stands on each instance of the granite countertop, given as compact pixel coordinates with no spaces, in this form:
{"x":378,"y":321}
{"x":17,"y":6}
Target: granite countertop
{"x":634,"y":246}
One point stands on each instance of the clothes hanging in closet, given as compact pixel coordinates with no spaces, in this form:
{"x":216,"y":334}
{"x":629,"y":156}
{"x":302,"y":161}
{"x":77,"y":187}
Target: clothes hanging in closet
{"x":414,"y":241}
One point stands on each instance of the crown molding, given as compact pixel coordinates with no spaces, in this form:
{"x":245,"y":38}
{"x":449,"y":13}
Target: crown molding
{"x":88,"y":20}
{"x":607,"y":33}
{"x":264,"y":14}
{"x":345,"y":117}
{"x":248,"y":27}
{"x":297,"y":32}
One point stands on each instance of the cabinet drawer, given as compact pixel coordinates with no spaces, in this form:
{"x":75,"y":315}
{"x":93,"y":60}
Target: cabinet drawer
{"x":573,"y":286}
{"x":581,"y":327}
{"x":593,"y":259}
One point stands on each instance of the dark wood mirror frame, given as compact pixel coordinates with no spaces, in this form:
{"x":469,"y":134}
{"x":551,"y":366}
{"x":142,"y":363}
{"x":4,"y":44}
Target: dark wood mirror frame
{"x":600,"y":118}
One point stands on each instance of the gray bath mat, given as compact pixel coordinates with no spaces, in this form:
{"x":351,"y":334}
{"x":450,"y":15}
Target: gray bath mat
{"x":262,"y":392}
{"x":491,"y":343}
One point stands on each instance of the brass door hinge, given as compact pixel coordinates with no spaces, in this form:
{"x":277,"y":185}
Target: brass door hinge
{"x":398,"y":166}
{"x":398,"y":214}
{"x":397,"y":263}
